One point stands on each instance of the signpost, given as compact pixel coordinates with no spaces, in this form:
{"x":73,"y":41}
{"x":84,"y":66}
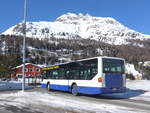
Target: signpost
{"x":24,"y":44}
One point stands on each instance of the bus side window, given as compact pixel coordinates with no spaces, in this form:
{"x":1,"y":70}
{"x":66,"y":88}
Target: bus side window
{"x":55,"y":74}
{"x":91,"y":73}
{"x":50,"y":74}
{"x":85,"y":74}
{"x":75,"y":74}
{"x":70,"y":74}
{"x":44,"y":75}
{"x":88,"y":74}
{"x":67,"y":74}
{"x":82,"y":77}
{"x":62,"y":74}
{"x":94,"y":71}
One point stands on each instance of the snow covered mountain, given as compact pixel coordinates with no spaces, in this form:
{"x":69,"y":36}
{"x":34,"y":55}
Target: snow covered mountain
{"x":72,"y":25}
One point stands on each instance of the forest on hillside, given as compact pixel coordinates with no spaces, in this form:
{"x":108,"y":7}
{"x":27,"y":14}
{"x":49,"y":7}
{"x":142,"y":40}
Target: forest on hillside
{"x":52,"y":50}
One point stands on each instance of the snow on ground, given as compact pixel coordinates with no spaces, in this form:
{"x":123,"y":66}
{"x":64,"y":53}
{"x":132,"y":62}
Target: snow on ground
{"x":22,"y":99}
{"x":140,"y":86}
{"x":12,"y":85}
{"x":136,"y":89}
{"x":139,"y":89}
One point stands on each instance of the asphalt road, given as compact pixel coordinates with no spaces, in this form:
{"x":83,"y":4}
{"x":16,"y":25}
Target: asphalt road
{"x":136,"y":105}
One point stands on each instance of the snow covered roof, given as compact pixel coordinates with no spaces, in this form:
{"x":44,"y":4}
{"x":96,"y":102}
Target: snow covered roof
{"x":28,"y":64}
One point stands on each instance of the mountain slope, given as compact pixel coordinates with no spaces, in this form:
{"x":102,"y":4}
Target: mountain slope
{"x":72,"y":25}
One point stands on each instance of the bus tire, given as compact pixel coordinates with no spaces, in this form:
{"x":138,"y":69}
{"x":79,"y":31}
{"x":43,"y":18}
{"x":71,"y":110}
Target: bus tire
{"x":74,"y":90}
{"x":48,"y":87}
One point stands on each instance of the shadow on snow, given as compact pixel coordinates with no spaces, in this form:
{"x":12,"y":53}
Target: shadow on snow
{"x":128,"y":94}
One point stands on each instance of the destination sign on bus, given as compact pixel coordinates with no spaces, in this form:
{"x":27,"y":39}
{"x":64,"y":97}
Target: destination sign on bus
{"x":52,"y":67}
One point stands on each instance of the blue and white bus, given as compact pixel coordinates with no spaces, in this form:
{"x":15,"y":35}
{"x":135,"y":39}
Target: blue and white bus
{"x":96,"y":75}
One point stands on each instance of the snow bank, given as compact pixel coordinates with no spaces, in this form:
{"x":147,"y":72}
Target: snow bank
{"x":139,"y":84}
{"x":12,"y":85}
{"x":130,"y":69}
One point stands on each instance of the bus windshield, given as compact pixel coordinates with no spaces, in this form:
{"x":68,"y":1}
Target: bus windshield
{"x":113,"y":66}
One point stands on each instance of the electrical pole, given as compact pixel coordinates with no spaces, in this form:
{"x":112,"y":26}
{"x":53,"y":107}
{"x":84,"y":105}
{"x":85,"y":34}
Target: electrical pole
{"x":24,"y":44}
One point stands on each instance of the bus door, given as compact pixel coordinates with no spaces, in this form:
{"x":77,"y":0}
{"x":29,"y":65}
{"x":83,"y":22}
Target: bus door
{"x":72,"y":75}
{"x":68,"y":76}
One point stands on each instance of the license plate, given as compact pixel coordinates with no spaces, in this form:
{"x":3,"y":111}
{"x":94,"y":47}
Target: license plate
{"x":114,"y":89}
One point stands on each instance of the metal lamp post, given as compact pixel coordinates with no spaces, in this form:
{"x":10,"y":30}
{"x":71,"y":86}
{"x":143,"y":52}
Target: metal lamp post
{"x":24,"y":43}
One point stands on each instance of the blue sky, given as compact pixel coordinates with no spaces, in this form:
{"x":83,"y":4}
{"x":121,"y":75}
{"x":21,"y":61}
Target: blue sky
{"x":134,"y":14}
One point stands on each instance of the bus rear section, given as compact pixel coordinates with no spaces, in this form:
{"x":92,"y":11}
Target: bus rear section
{"x":113,"y":74}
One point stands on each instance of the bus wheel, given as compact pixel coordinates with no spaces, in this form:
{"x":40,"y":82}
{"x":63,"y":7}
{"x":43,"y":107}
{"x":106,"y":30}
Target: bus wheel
{"x":74,"y":90}
{"x":48,"y":87}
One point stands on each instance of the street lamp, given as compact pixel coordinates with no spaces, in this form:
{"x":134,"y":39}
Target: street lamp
{"x":24,"y":43}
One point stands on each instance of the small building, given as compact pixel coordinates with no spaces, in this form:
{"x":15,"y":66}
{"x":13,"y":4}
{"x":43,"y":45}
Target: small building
{"x":31,"y":70}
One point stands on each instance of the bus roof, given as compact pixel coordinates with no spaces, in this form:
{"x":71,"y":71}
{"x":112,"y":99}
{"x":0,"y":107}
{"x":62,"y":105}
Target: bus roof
{"x":85,"y":60}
